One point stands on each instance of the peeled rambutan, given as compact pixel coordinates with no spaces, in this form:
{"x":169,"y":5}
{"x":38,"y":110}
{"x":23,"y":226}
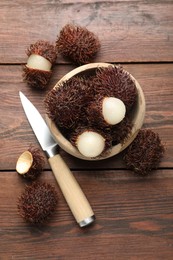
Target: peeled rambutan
{"x":37,"y":202}
{"x":30,"y":163}
{"x":41,"y":56}
{"x":91,"y":141}
{"x":65,"y":104}
{"x":105,"y":111}
{"x":77,"y":43}
{"x":144,"y":153}
{"x":114,"y":81}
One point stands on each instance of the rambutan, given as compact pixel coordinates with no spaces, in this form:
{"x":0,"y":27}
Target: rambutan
{"x":105,"y":111}
{"x":144,"y":153}
{"x":114,"y":81}
{"x":41,"y":56}
{"x":37,"y":202}
{"x":30,"y":164}
{"x":65,"y":104}
{"x":90,"y":141}
{"x":77,"y":43}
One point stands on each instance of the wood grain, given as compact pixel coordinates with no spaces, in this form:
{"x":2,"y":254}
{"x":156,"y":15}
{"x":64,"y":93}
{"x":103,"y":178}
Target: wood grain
{"x":139,"y":31}
{"x":155,"y":79}
{"x":134,"y":219}
{"x":134,"y":214}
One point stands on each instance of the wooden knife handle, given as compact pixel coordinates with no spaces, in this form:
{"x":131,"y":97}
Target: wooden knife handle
{"x":72,"y":192}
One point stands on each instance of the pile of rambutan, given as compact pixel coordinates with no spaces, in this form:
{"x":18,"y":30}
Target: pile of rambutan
{"x":79,"y":45}
{"x":93,"y":112}
{"x":38,"y":202}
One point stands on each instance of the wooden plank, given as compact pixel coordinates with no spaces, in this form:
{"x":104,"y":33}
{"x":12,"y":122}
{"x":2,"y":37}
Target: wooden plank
{"x":134,"y":219}
{"x":16,"y":135}
{"x":128,"y":30}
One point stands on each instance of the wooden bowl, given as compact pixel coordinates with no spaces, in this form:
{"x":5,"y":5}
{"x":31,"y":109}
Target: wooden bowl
{"x":137,"y":115}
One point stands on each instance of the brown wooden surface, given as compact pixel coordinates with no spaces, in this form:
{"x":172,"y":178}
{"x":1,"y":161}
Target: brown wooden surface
{"x":134,"y":215}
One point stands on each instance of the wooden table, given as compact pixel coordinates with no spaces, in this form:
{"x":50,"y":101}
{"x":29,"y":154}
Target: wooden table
{"x":134,"y":214}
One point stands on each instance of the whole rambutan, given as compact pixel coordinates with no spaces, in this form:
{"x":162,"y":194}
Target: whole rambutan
{"x":65,"y":105}
{"x":30,"y":164}
{"x":114,"y":81}
{"x":37,"y":202}
{"x":41,"y":56}
{"x":77,"y":43}
{"x":144,"y":153}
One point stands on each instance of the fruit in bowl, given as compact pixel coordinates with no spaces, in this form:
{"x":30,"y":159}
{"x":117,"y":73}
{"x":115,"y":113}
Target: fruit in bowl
{"x":95,"y":111}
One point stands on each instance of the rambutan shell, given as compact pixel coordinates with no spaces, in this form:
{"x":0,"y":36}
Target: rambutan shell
{"x":37,"y":79}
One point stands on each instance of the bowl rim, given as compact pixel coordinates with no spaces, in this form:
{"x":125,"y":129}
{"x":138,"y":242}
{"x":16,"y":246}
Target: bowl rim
{"x":137,"y":124}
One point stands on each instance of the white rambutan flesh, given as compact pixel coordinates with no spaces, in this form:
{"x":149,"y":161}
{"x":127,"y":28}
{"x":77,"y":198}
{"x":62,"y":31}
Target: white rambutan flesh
{"x":36,"y":61}
{"x":90,"y":144}
{"x":113,"y":110}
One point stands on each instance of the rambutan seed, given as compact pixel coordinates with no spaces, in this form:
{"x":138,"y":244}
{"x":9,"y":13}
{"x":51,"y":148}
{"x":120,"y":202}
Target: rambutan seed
{"x":144,"y":153}
{"x":41,"y":56}
{"x":30,"y":164}
{"x":77,"y":43}
{"x":38,"y":202}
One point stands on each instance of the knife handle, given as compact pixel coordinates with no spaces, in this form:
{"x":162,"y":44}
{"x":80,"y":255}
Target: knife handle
{"x":72,"y":192}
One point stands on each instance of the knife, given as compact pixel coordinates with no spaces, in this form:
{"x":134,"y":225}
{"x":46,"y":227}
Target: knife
{"x":71,"y":190}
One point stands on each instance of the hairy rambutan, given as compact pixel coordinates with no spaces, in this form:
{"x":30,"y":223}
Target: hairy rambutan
{"x":144,"y":153}
{"x":30,"y":164}
{"x":114,"y":81}
{"x":41,"y":56}
{"x":77,"y":43}
{"x":37,"y":202}
{"x":65,"y":104}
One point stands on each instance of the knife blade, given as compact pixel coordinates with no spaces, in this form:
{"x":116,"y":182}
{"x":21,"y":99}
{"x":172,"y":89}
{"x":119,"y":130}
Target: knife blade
{"x":71,"y":190}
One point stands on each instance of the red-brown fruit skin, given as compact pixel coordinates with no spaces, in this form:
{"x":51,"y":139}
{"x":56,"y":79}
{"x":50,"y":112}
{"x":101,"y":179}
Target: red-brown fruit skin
{"x":144,"y":153}
{"x":36,"y":79}
{"x":78,"y":44}
{"x":37,"y":165}
{"x":37,"y":203}
{"x":114,"y":81}
{"x":65,"y":105}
